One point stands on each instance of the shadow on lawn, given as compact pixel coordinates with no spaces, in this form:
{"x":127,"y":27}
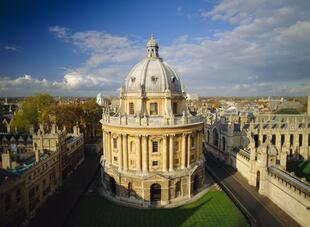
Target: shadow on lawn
{"x":102,"y":212}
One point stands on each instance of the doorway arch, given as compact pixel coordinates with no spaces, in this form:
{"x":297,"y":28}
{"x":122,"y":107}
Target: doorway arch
{"x":155,"y":193}
{"x":196,"y":183}
{"x":112,"y":186}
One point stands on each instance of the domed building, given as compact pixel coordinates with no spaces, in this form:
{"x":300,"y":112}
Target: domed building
{"x":152,"y":153}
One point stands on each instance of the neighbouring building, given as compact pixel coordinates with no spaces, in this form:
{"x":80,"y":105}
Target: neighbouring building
{"x":152,"y":153}
{"x":25,"y":184}
{"x":260,"y":149}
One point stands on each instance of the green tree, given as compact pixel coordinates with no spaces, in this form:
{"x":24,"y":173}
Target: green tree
{"x":30,"y":112}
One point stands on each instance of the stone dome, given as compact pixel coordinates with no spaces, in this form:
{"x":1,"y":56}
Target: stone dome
{"x":152,"y":74}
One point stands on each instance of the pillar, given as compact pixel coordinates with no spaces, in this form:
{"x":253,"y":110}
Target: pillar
{"x":120,"y":152}
{"x":138,"y":166}
{"x":183,"y":151}
{"x":125,"y":152}
{"x":171,"y":150}
{"x":104,"y":139}
{"x":109,"y":152}
{"x":145,"y":154}
{"x":198,"y":145}
{"x":189,"y":147}
{"x":165,"y":153}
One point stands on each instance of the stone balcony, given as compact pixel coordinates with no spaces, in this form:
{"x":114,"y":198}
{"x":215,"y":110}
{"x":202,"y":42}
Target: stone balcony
{"x":151,"y":121}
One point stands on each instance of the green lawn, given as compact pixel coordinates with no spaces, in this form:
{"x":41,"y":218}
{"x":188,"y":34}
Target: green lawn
{"x":301,"y":168}
{"x":213,"y":209}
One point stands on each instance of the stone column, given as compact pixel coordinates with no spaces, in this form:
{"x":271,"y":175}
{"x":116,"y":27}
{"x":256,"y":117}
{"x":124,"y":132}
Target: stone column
{"x":104,"y":145}
{"x":165,"y":153}
{"x":120,"y":152}
{"x":138,"y":166}
{"x":145,"y":155}
{"x":183,"y":151}
{"x":125,"y":152}
{"x":109,"y":151}
{"x":189,"y":147}
{"x":198,"y":145}
{"x":171,"y":150}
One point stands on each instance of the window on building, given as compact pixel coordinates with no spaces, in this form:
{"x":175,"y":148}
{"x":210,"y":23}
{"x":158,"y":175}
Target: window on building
{"x":300,"y":140}
{"x":291,"y":139}
{"x":155,"y":146}
{"x":192,"y":157}
{"x":178,"y":189}
{"x":155,"y":163}
{"x":129,"y":189}
{"x":192,"y":141}
{"x":308,"y":140}
{"x":176,"y":145}
{"x":176,"y":161}
{"x":114,"y":143}
{"x":153,"y":108}
{"x":131,"y":108}
{"x":264,"y":138}
{"x":273,"y":139}
{"x":175,"y":108}
{"x":282,"y":139}
{"x":115,"y":158}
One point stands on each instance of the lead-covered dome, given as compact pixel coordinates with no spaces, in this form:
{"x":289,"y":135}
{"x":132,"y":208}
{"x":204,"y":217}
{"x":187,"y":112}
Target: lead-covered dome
{"x":152,"y":74}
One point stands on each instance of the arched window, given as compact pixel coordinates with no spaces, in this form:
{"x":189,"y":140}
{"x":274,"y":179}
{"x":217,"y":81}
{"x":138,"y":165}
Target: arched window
{"x":129,"y":189}
{"x":178,"y":189}
{"x":215,"y":137}
{"x":224,"y":143}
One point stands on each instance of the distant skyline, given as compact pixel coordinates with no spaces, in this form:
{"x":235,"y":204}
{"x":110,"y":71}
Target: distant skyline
{"x":219,"y":48}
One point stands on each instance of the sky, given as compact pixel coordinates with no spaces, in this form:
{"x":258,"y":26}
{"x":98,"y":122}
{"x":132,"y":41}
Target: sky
{"x":218,"y":47}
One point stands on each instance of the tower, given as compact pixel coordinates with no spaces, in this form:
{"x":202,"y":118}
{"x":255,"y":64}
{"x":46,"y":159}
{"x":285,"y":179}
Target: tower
{"x":152,"y":145}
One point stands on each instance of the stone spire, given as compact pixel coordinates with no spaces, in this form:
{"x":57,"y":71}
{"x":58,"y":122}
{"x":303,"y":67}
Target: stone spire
{"x":152,"y":47}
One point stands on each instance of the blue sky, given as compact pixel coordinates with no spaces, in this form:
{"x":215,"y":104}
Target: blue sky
{"x":229,"y":47}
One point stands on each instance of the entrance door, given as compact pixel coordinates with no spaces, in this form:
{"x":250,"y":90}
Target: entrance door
{"x":155,"y":193}
{"x":112,"y":186}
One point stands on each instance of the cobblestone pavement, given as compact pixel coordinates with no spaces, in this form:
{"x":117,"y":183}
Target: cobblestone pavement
{"x":261,"y":210}
{"x":58,"y":207}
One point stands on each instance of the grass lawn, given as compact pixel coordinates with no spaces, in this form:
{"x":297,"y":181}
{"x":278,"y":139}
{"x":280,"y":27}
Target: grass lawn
{"x":301,"y":168}
{"x":213,"y":209}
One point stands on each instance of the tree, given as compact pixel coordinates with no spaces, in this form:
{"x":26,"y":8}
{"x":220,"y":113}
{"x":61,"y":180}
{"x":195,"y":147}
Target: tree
{"x":30,"y":113}
{"x":287,"y":111}
{"x":91,"y":117}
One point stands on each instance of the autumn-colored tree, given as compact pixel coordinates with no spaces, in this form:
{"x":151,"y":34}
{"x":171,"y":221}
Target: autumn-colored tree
{"x":91,"y":117}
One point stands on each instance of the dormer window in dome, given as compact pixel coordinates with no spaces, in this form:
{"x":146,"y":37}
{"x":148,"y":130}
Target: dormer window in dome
{"x":154,"y":79}
{"x":173,"y":78}
{"x":133,"y":79}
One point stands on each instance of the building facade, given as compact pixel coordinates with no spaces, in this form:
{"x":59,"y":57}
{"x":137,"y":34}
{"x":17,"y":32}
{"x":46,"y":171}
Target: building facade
{"x":152,"y":153}
{"x":260,"y":149}
{"x":29,"y":182}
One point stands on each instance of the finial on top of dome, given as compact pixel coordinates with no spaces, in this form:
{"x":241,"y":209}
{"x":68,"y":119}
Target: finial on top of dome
{"x":152,"y":47}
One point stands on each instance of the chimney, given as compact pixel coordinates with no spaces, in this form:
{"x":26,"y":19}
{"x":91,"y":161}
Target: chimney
{"x":37,"y":155}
